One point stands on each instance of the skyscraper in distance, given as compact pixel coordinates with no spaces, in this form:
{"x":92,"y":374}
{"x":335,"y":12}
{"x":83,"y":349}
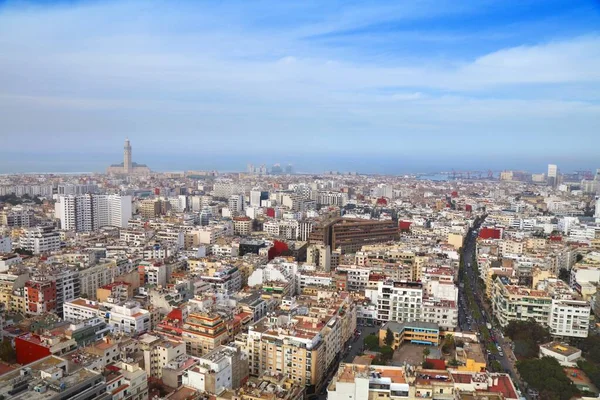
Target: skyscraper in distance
{"x":127,"y":163}
{"x":552,"y":175}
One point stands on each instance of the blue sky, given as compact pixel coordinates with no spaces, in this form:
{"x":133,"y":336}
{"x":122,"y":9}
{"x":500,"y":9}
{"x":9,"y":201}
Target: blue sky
{"x":516,"y":84}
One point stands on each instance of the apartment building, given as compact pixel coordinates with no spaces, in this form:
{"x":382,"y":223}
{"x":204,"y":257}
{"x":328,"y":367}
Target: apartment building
{"x":569,"y":318}
{"x":295,"y":353}
{"x":127,"y":381}
{"x":128,"y":318}
{"x":17,"y":217}
{"x":302,"y":347}
{"x":357,"y":277}
{"x":40,"y":297}
{"x":349,"y":235}
{"x":554,"y":305}
{"x":12,"y":291}
{"x":85,"y":213}
{"x":40,"y":240}
{"x":354,"y":381}
{"x":158,"y":353}
{"x":223,"y":368}
{"x":226,"y":280}
{"x":242,"y":226}
{"x":201,"y":332}
{"x":93,"y":278}
{"x":53,"y":378}
{"x":399,"y":301}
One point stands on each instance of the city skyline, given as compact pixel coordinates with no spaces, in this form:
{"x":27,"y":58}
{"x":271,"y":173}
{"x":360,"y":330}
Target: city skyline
{"x":416,"y":87}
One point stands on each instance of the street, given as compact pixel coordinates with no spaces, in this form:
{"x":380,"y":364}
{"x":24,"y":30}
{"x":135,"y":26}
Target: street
{"x":348,"y":355}
{"x":477,"y":321}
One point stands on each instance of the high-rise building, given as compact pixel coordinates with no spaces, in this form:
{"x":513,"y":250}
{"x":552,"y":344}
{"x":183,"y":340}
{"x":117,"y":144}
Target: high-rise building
{"x":552,"y":174}
{"x":89,"y":212}
{"x":257,"y":196}
{"x":597,"y":213}
{"x":236,"y":203}
{"x":127,"y":163}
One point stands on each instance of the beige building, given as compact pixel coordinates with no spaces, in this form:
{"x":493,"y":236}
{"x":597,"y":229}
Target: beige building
{"x":302,"y":347}
{"x":158,"y":353}
{"x":12,"y":292}
{"x":242,"y":226}
{"x":455,"y":240}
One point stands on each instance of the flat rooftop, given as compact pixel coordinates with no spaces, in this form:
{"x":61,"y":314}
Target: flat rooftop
{"x":560,"y":348}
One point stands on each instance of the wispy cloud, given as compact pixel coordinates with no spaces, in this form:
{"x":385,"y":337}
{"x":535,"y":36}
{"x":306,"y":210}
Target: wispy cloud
{"x":103,"y":70}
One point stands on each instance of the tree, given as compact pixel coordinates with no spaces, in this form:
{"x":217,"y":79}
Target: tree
{"x":529,"y":332}
{"x":387,"y":353}
{"x":426,"y":351}
{"x":564,"y":275}
{"x":7,"y":353}
{"x":22,"y":251}
{"x":371,"y":342}
{"x":547,"y":376}
{"x":427,"y":365}
{"x":389,"y":337}
{"x":448,"y":345}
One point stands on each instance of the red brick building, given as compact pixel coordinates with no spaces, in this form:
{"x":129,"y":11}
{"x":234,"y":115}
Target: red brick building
{"x":40,"y":297}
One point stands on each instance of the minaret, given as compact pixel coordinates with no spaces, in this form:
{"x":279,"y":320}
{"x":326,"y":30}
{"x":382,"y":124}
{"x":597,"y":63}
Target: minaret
{"x":127,"y":164}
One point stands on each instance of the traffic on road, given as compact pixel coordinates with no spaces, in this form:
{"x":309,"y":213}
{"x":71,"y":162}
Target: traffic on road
{"x":475,"y":315}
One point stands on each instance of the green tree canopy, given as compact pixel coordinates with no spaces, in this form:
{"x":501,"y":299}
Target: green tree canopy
{"x":387,"y":353}
{"x":547,"y":376}
{"x":7,"y":353}
{"x":389,"y":337}
{"x":371,"y":342}
{"x":527,"y":330}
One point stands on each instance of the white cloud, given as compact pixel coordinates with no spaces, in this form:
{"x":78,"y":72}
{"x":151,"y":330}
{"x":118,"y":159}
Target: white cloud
{"x":151,"y":74}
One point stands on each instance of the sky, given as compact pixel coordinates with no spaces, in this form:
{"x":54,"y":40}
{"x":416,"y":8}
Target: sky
{"x":374,"y":86}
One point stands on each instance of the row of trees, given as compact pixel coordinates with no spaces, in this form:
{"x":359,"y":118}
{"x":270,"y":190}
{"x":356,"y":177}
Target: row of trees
{"x":14,"y":200}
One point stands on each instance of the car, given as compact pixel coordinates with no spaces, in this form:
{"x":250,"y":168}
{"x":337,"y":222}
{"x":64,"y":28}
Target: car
{"x":501,"y":354}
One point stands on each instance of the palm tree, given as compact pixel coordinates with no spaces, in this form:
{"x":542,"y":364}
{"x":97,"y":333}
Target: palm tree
{"x":426,"y":352}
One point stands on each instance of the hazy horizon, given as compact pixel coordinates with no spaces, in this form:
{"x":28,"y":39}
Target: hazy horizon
{"x":307,"y":163}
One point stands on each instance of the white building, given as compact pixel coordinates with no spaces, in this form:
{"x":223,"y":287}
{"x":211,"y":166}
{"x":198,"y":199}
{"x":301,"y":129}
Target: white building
{"x":569,"y":318}
{"x":228,"y":280}
{"x":357,"y":277}
{"x":128,"y":318}
{"x":236,"y":204}
{"x":305,"y":279}
{"x":566,"y":355}
{"x":67,"y":287}
{"x":278,"y":271}
{"x":85,"y":213}
{"x":214,"y":372}
{"x":40,"y":240}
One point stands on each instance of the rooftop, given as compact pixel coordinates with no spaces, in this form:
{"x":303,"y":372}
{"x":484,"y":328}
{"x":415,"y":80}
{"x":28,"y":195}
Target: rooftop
{"x":560,"y":348}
